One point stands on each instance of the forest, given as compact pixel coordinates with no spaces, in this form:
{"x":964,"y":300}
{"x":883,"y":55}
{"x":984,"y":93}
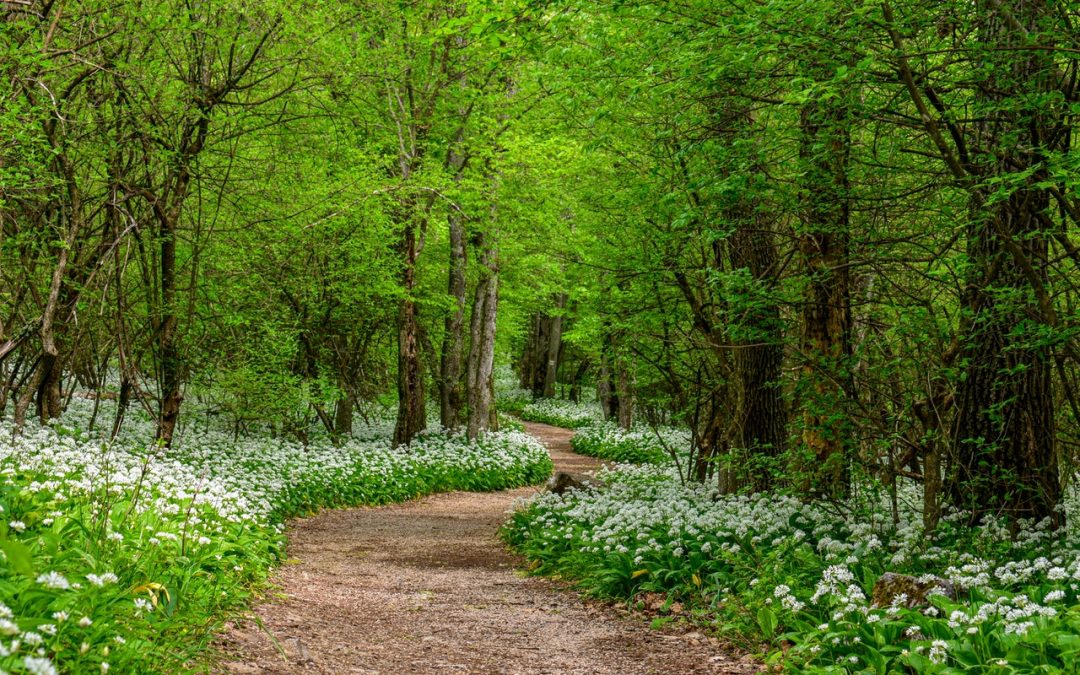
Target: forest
{"x":801,"y":276}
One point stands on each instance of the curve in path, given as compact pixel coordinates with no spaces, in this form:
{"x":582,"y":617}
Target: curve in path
{"x":427,"y":587}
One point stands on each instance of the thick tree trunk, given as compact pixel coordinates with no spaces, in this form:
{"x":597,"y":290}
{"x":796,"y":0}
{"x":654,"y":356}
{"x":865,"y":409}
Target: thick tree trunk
{"x":1003,"y":440}
{"x":50,"y":394}
{"x":412,"y":416}
{"x":481,"y":368}
{"x":1004,"y":436}
{"x":825,"y":342}
{"x":343,"y":416}
{"x":761,"y":417}
{"x":451,"y":396}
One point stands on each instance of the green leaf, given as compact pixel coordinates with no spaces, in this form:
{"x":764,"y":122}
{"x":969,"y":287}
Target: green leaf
{"x":766,"y":619}
{"x":18,"y":556}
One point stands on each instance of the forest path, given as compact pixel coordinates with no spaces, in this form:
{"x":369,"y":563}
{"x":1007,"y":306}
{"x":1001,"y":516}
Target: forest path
{"x":427,"y":587}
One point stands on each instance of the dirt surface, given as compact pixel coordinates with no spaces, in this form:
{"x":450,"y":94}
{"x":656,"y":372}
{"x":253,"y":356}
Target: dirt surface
{"x":427,"y":587}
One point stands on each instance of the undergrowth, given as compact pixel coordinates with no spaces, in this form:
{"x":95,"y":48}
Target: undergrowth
{"x":124,"y":557}
{"x":797,"y":577}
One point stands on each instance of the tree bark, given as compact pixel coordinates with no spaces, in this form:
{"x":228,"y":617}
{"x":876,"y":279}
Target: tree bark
{"x":761,"y":417}
{"x":624,"y":385}
{"x":451,"y":396}
{"x":343,"y":416}
{"x":1004,"y":435}
{"x":168,"y":350}
{"x":825,"y":342}
{"x":481,"y":367}
{"x":412,"y":415}
{"x":554,"y":345}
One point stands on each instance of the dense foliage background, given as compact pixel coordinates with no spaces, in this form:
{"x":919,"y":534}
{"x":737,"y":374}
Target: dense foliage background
{"x":830,"y":244}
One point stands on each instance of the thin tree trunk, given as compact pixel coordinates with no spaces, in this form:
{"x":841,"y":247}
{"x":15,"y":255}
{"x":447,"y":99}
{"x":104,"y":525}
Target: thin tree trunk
{"x":168,"y":350}
{"x":451,"y":396}
{"x":624,"y":385}
{"x":481,"y":367}
{"x":554,"y":345}
{"x":412,"y":416}
{"x":49,"y":350}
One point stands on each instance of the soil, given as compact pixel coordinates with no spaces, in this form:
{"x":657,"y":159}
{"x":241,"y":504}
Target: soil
{"x":427,"y":587}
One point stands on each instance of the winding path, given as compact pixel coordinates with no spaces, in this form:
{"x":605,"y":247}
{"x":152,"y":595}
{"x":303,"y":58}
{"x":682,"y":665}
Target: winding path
{"x":427,"y":587}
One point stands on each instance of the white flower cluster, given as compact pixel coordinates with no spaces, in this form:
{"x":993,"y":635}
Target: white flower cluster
{"x":562,"y":413}
{"x":638,"y":444}
{"x":657,"y":522}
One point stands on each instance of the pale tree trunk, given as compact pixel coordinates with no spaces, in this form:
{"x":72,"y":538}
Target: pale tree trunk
{"x":481,"y":370}
{"x":45,"y":382}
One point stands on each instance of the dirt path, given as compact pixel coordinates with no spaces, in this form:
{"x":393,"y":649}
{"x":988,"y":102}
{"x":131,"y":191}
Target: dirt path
{"x":426,"y":587}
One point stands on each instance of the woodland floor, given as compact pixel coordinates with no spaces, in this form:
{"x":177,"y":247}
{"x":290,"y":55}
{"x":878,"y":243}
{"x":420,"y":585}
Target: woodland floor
{"x":427,"y":587}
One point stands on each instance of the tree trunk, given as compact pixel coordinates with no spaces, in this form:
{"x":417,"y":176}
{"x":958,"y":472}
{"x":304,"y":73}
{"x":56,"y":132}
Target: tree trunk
{"x":825,"y":342}
{"x":579,"y":378}
{"x":122,"y":403}
{"x":44,"y":382}
{"x":554,"y":345}
{"x":1004,"y":435}
{"x":527,"y":364}
{"x":168,"y":350}
{"x":481,"y":367}
{"x":343,"y":416}
{"x":761,"y":417}
{"x":412,"y":416}
{"x":624,"y":385}
{"x":451,"y":396}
